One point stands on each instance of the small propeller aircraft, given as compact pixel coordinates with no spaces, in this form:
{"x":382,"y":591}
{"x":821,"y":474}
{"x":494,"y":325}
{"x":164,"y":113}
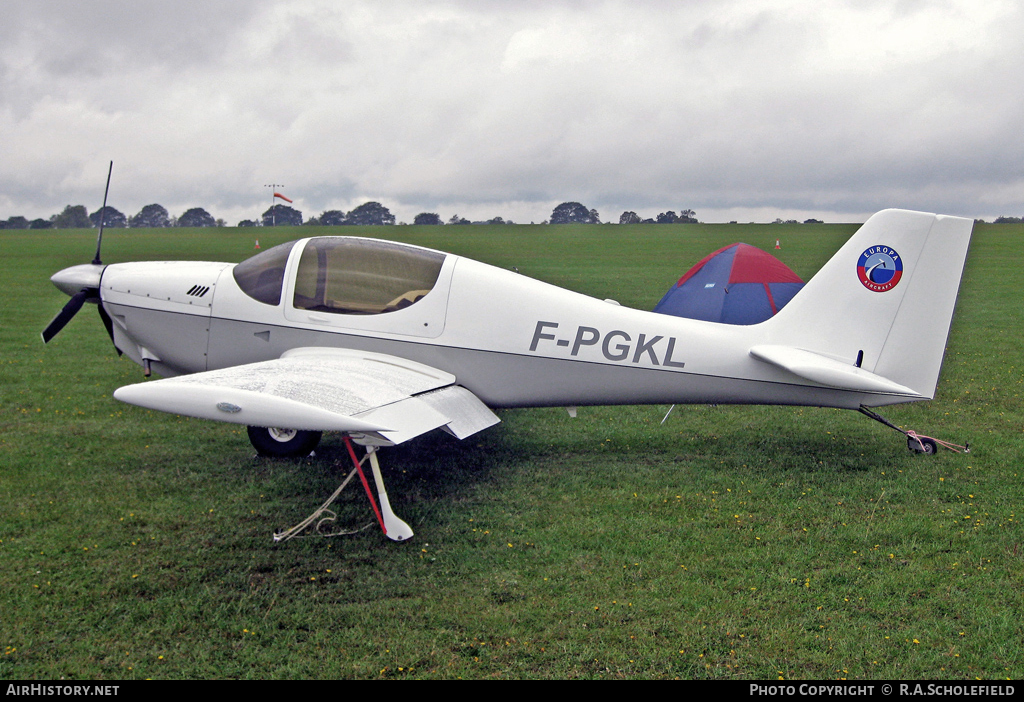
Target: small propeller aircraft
{"x":384,"y":341}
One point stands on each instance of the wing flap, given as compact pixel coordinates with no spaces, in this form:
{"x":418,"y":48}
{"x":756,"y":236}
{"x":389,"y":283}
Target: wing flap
{"x":466,"y":413}
{"x":411,"y":417}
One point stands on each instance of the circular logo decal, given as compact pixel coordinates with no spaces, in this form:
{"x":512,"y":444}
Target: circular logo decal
{"x":880,"y":268}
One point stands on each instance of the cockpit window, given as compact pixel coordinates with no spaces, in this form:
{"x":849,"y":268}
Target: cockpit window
{"x":262,"y":276}
{"x":359,"y":276}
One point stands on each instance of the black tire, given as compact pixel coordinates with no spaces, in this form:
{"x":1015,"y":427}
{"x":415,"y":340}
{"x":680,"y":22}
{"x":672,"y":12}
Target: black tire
{"x":283,"y":443}
{"x":922,"y":444}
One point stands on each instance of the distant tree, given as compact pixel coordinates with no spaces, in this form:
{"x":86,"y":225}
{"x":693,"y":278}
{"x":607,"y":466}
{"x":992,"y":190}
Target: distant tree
{"x":17,"y":222}
{"x":282,"y":215}
{"x":813,"y":221}
{"x":370,"y":213}
{"x":40,"y":224}
{"x":151,"y":216}
{"x":221,"y":222}
{"x":496,"y":220}
{"x":667,"y":218}
{"x":112,"y":219}
{"x":431,"y":218}
{"x":629,"y":217}
{"x":247,"y":223}
{"x":458,"y":220}
{"x":196,"y":217}
{"x":332,"y":218}
{"x":312,"y":222}
{"x":574,"y":213}
{"x":73,"y":217}
{"x":1006,"y":220}
{"x":687,"y":217}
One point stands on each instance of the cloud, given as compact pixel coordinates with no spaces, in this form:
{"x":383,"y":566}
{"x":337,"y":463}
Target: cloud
{"x":427,"y":106}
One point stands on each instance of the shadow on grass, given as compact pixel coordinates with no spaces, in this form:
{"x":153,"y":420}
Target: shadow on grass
{"x":439,"y":469}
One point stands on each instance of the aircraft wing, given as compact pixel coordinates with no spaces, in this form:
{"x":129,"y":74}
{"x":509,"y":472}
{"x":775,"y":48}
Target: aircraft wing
{"x":379,"y":399}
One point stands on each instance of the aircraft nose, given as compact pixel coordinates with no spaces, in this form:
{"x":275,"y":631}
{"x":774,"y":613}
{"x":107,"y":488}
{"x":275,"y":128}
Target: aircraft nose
{"x":71,"y":280}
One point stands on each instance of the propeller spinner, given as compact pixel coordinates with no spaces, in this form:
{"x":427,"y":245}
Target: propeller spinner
{"x":82,"y":283}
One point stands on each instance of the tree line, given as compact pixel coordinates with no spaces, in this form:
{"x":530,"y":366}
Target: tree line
{"x":78,"y":217}
{"x":374,"y":213}
{"x":369,"y":213}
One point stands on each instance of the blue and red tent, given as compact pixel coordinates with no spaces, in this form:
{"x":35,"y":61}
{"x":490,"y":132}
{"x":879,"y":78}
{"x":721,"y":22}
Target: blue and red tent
{"x":738,"y":284}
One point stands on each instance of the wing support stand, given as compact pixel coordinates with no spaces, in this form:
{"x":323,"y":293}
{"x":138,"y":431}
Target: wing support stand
{"x":393,"y":527}
{"x":917,"y":443}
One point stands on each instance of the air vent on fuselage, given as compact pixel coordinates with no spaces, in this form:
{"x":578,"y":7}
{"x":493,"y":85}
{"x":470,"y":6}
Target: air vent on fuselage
{"x":198,"y":290}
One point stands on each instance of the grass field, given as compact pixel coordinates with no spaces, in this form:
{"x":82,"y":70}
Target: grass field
{"x":730,"y":542}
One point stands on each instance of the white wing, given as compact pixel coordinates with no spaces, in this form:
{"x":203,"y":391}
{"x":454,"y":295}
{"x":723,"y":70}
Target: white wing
{"x":378,"y":398}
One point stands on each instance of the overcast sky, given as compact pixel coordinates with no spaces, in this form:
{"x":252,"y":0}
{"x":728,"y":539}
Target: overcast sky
{"x":737,"y":109}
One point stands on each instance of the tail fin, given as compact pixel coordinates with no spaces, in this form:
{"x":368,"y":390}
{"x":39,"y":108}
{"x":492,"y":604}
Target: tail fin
{"x":882,"y":304}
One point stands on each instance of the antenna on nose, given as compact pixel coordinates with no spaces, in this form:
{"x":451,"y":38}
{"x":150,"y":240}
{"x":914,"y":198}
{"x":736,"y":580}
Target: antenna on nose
{"x":103,"y":213}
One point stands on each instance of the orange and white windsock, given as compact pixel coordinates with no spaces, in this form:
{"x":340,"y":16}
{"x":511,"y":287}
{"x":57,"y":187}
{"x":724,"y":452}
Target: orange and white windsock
{"x":286,"y":199}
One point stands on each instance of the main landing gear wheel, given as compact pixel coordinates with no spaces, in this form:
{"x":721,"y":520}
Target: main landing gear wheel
{"x":922,"y":444}
{"x":283,"y":443}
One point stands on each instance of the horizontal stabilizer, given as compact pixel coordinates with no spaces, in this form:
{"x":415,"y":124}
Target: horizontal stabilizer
{"x":826,"y":371}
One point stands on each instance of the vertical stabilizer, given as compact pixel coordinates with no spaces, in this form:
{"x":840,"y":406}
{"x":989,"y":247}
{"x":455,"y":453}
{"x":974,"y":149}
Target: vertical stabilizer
{"x":884,"y":302}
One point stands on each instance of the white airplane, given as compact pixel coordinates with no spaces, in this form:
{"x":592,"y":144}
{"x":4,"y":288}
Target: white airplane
{"x":383,"y":341}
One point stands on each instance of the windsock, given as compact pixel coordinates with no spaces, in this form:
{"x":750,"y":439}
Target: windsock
{"x":282,"y":197}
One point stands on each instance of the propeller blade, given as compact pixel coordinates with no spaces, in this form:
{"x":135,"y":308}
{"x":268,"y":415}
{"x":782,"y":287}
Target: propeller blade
{"x":103,"y":213}
{"x":67,"y":312}
{"x":108,"y":323}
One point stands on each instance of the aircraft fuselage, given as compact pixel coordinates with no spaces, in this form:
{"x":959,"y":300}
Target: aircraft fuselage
{"x":511,"y":340}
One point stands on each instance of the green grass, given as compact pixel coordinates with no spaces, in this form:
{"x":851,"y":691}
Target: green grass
{"x":730,"y":542}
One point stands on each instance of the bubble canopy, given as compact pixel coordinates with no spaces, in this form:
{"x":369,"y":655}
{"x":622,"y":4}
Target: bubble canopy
{"x":343,"y":275}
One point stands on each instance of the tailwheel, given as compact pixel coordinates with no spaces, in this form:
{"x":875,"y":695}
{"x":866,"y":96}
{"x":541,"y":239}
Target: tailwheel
{"x":275,"y":442}
{"x":915,"y":442}
{"x":922,"y":444}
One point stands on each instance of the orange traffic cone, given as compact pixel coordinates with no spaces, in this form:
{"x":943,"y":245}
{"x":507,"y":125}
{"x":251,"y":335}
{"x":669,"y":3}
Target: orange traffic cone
{"x":258,"y":244}
{"x":777,"y":244}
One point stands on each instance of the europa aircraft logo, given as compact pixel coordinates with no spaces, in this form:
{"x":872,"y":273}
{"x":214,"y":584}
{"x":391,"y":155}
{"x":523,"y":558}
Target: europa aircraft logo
{"x":880,"y":268}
